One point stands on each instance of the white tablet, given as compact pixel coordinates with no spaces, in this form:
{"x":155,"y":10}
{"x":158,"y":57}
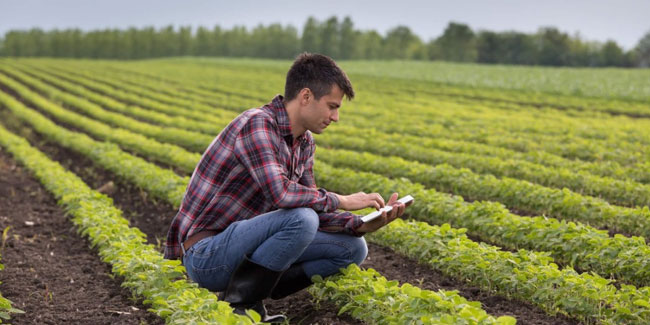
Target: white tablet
{"x":373,"y":215}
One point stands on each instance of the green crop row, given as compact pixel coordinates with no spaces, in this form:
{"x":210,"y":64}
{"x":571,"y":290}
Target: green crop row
{"x":212,"y":126}
{"x":618,"y":191}
{"x":524,"y":275}
{"x":633,"y":223}
{"x":145,"y":98}
{"x":144,"y":269}
{"x":241,"y":80}
{"x":530,"y":276}
{"x":368,"y":296}
{"x":537,"y":159}
{"x":162,"y":183}
{"x":575,"y":146}
{"x":147,"y":274}
{"x":133,"y":99}
{"x":575,"y":244}
{"x":566,"y":145}
{"x":164,"y":152}
{"x":134,"y":111}
{"x":515,"y":193}
{"x":170,"y":176}
{"x":623,"y":192}
{"x":595,"y":257}
{"x":186,"y":138}
{"x":611,"y":169}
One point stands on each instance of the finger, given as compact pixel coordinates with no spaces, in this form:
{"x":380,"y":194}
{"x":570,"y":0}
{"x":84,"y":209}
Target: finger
{"x":392,"y":199}
{"x":402,"y":208}
{"x":395,"y":211}
{"x":378,"y":199}
{"x":375,"y":204}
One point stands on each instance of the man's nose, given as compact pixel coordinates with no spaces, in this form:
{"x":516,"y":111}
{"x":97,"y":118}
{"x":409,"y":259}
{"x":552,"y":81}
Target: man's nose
{"x":335,"y":116}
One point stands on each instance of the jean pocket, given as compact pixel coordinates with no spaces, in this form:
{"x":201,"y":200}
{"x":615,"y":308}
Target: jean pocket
{"x":214,"y":278}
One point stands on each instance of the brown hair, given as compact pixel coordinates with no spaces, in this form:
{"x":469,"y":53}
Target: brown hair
{"x":318,"y":73}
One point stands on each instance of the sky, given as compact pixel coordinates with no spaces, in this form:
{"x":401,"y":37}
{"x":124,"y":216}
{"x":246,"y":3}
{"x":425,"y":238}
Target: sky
{"x":624,"y":21}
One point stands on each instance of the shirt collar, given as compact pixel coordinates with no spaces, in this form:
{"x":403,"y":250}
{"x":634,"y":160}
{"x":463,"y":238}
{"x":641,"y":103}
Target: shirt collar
{"x":282,"y":117}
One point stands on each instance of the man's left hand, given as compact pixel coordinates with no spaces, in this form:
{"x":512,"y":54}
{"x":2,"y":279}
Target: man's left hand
{"x":386,"y":217}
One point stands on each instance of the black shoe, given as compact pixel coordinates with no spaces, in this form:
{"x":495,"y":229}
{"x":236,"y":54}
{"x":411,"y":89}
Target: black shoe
{"x":249,"y":284}
{"x":292,"y":280}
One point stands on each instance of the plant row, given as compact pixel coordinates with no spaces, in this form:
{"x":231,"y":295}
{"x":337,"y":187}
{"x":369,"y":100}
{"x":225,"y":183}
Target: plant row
{"x":566,"y":144}
{"x":527,"y":275}
{"x":617,"y":191}
{"x":382,"y":91}
{"x":149,"y":275}
{"x":162,"y":118}
{"x":133,"y":99}
{"x":595,"y":257}
{"x":368,"y":296}
{"x":515,"y":193}
{"x":146,"y":273}
{"x":206,"y":126}
{"x":537,"y":159}
{"x":366,"y":180}
{"x":161,"y":183}
{"x":164,"y":152}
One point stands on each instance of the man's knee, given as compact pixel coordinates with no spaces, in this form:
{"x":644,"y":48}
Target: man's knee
{"x":306,"y":219}
{"x":359,"y":250}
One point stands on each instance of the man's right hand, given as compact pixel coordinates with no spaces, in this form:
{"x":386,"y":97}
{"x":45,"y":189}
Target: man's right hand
{"x":360,"y":200}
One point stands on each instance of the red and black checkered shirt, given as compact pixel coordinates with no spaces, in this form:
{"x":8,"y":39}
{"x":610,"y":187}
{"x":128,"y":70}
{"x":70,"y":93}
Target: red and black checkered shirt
{"x":252,"y":167}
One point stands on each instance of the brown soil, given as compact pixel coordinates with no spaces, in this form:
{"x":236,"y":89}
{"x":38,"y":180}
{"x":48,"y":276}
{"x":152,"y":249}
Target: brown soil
{"x":50,"y":271}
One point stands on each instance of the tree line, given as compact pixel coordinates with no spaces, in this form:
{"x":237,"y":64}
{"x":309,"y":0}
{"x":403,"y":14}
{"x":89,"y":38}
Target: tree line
{"x":336,"y":38}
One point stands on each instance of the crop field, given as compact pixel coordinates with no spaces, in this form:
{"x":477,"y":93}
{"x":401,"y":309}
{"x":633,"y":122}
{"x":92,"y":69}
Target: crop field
{"x":531,"y":186}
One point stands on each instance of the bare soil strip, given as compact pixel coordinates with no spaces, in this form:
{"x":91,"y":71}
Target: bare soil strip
{"x":50,"y":271}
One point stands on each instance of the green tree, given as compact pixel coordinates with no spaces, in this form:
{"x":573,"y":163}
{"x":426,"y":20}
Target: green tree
{"x":369,"y":45}
{"x":457,"y":43}
{"x":348,"y":42}
{"x":612,"y":55}
{"x":330,"y":37}
{"x":203,"y":44}
{"x":401,"y":43}
{"x":489,"y":47}
{"x":185,"y":41}
{"x":642,"y":51}
{"x":553,"y":47}
{"x":311,"y":36}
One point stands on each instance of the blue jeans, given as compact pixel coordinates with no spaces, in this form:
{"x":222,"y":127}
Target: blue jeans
{"x":275,"y":240}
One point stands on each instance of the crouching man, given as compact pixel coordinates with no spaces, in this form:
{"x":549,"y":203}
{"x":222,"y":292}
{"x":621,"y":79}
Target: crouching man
{"x":252,"y":223}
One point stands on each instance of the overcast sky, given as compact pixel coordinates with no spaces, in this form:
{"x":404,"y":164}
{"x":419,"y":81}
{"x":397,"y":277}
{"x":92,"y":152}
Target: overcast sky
{"x":624,"y":21}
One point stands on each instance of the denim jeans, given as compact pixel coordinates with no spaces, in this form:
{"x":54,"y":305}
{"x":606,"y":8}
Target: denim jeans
{"x":275,"y":240}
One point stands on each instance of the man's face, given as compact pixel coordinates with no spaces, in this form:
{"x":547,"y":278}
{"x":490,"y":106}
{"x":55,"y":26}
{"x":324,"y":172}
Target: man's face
{"x":318,"y":114}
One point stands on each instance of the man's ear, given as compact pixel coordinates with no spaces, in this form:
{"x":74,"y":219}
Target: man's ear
{"x":305,"y":96}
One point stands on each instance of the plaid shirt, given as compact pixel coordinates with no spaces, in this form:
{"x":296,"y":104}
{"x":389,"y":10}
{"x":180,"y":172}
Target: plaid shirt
{"x":252,"y":167}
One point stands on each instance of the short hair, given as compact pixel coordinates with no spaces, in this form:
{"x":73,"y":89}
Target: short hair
{"x":317,"y":72}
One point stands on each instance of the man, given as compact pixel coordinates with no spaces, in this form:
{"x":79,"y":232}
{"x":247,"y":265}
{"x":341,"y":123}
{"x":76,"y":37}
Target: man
{"x":252,"y":223}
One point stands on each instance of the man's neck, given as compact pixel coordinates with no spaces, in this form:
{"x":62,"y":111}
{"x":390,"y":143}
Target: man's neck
{"x":292,"y":108}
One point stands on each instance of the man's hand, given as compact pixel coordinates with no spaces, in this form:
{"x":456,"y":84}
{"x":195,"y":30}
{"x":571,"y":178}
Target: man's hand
{"x":385,"y":218}
{"x":361,"y":200}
